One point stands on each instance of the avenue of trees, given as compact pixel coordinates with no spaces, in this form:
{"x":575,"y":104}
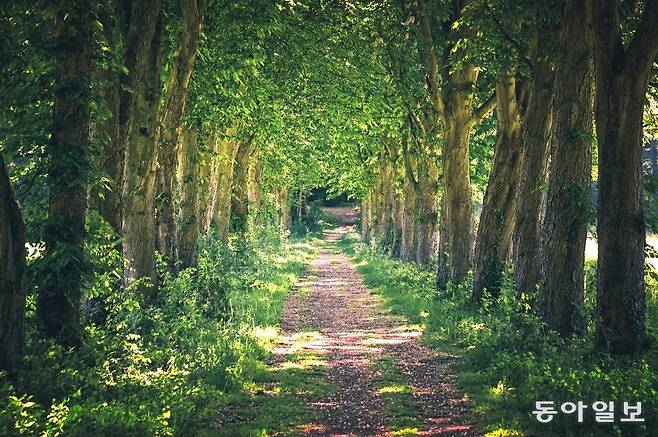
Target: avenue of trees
{"x":471,"y":132}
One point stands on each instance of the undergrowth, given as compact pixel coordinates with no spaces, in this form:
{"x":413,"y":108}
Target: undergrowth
{"x":165,"y":369}
{"x":510,"y":360}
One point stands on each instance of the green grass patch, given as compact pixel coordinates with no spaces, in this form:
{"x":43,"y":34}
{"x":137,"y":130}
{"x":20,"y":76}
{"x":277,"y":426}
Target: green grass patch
{"x":170,"y":368}
{"x":510,"y":360}
{"x":398,"y":405}
{"x":277,"y":400}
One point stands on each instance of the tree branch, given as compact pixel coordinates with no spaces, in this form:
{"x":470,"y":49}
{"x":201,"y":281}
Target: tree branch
{"x":432,"y":65}
{"x":483,"y":110}
{"x":642,"y":51}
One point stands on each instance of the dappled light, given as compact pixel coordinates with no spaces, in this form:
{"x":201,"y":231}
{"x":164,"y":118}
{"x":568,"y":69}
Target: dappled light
{"x":328,"y":218}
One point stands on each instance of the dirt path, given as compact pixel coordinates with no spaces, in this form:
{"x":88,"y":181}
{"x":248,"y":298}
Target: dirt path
{"x":364,"y":350}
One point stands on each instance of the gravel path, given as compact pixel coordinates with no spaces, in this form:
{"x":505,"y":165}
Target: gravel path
{"x":355,"y":331}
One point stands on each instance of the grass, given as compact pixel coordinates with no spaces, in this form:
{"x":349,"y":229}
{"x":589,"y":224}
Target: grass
{"x":509,"y":360}
{"x":172,"y":368}
{"x":277,"y":391}
{"x":396,"y":395}
{"x":277,"y":399}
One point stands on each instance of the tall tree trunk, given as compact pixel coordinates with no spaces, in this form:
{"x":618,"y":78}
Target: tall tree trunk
{"x":240,"y":199}
{"x":452,"y":98}
{"x":283,"y":202}
{"x":189,"y":180}
{"x":138,"y":126}
{"x":395,"y":197}
{"x":224,"y":165}
{"x":496,"y":220}
{"x":536,"y":124}
{"x":12,"y":274}
{"x":621,"y":84}
{"x":427,"y":214}
{"x":410,"y":208}
{"x":457,"y":197}
{"x":112,"y":161}
{"x":255,"y":189}
{"x":396,"y":238}
{"x":388,"y":199}
{"x":174,"y":106}
{"x":203,"y":204}
{"x":568,"y":198}
{"x":59,"y":297}
{"x":366,"y":218}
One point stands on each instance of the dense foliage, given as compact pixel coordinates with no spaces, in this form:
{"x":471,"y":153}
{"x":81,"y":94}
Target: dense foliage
{"x":158,"y":155}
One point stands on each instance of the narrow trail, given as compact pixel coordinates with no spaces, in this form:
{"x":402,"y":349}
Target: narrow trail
{"x":353,"y":333}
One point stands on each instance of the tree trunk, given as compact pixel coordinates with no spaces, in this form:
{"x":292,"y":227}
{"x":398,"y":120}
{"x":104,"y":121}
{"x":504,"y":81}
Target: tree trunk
{"x":388,"y":199}
{"x":621,"y":84}
{"x":138,"y":118}
{"x":59,"y":296}
{"x":568,"y":198}
{"x":203,"y":202}
{"x":366,"y":218}
{"x":410,"y":208}
{"x":240,"y":198}
{"x":534,"y":155}
{"x":452,"y":98}
{"x":457,"y":198}
{"x":426,"y":222}
{"x":12,"y":274}
{"x":496,"y":220}
{"x":224,"y":165}
{"x":255,"y":189}
{"x":112,"y":161}
{"x":189,"y":180}
{"x":396,"y":238}
{"x":174,"y":106}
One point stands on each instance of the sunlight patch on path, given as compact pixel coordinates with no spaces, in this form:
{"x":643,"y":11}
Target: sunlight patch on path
{"x":353,"y":335}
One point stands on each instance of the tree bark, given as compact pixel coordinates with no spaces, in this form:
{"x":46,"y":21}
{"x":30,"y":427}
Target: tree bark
{"x":240,"y":198}
{"x":189,"y":180}
{"x":496,"y":220}
{"x":458,"y":203}
{"x":396,"y":201}
{"x":255,"y":189}
{"x":568,"y":198}
{"x":203,"y":204}
{"x":174,"y":106}
{"x":535,"y":132}
{"x":366,"y":218}
{"x":226,"y":154}
{"x":396,"y":238}
{"x":426,"y":222}
{"x":58,"y":304}
{"x":112,"y":161}
{"x":621,"y":84}
{"x":452,"y":98}
{"x":138,"y":131}
{"x":409,"y":213}
{"x":12,"y":274}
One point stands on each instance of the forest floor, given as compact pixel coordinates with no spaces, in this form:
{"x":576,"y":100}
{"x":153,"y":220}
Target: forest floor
{"x":344,"y":365}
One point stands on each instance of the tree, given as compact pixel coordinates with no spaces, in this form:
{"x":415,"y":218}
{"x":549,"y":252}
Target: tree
{"x":138,"y":131}
{"x":64,"y":264}
{"x":564,"y":225}
{"x":622,"y":74}
{"x":497,"y":217}
{"x":12,"y":273}
{"x":240,"y":199}
{"x":180,"y":72}
{"x":453,"y":101}
{"x":535,"y":130}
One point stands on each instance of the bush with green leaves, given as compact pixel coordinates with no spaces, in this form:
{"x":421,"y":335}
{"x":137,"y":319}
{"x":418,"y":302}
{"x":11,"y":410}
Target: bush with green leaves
{"x":159,"y":370}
